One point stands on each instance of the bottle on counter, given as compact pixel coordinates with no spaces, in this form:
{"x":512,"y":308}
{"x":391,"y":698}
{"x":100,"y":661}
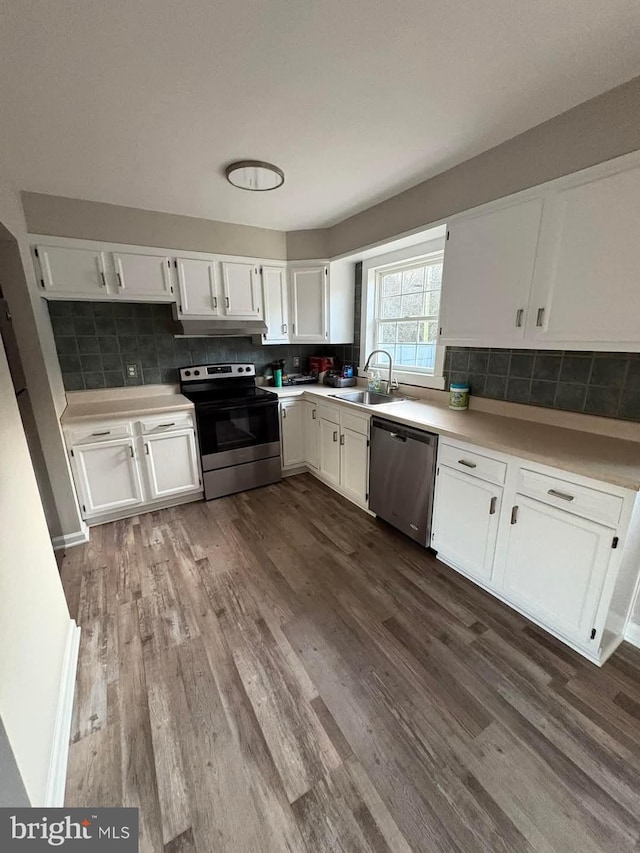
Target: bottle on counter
{"x":459,"y":396}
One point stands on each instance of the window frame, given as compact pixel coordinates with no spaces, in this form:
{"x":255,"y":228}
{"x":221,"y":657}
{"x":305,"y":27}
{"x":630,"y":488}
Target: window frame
{"x":372,"y":269}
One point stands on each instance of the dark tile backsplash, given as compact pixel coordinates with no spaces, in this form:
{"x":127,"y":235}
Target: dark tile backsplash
{"x":594,"y":383}
{"x":97,"y":340}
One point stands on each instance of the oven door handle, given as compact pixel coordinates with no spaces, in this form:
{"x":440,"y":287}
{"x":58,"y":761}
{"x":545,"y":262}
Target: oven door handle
{"x":262,"y":404}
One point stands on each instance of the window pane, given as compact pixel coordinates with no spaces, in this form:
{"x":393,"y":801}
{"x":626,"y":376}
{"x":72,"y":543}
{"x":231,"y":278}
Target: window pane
{"x":406,"y":355}
{"x":387,"y":333}
{"x":427,"y":331}
{"x":391,"y":284}
{"x":412,"y":305}
{"x":434,"y":276}
{"x":433,"y":302}
{"x":390,"y":308}
{"x":426,"y":355}
{"x":407,"y":332}
{"x":413,"y":280}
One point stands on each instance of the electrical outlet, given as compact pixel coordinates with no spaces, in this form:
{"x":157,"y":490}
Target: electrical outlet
{"x":296,"y":361}
{"x":132,"y":371}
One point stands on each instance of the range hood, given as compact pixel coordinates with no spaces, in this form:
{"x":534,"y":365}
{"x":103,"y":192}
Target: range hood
{"x":214,"y":328}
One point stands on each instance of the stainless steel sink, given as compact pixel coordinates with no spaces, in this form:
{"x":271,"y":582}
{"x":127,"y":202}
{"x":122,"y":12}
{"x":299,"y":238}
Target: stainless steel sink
{"x":368,"y":398}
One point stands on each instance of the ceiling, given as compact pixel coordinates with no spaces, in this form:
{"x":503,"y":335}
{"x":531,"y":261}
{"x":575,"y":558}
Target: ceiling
{"x":143,"y":103}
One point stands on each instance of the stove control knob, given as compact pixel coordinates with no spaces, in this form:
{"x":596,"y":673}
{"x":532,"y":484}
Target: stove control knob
{"x":241,"y":370}
{"x":187,"y":373}
{"x":196,"y":373}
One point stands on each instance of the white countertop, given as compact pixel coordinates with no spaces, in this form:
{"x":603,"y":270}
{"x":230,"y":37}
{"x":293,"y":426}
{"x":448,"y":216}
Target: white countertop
{"x":611,"y":460}
{"x":123,"y":403}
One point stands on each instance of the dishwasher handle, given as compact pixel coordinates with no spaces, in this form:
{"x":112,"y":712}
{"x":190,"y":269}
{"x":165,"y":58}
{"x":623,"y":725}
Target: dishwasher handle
{"x":400,"y":432}
{"x":397,"y":436}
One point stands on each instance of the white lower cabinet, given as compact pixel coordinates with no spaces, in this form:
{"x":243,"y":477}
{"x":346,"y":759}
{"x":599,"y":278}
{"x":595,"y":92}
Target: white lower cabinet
{"x":556,"y":563}
{"x":354,"y":465}
{"x":292,"y":414}
{"x":465,"y":521}
{"x":311,"y":428}
{"x":126,"y":466}
{"x":558,"y":547}
{"x":171,"y":462}
{"x":107,"y":476}
{"x":329,"y":466}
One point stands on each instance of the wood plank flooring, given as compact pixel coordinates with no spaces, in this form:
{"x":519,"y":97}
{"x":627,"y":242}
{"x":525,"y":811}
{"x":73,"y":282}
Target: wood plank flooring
{"x":277,"y":671}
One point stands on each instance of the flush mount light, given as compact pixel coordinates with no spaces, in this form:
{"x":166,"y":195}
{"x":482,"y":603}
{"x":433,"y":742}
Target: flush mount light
{"x":255,"y":175}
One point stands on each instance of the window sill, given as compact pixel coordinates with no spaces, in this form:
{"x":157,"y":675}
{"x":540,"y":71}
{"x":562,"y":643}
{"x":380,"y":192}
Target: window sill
{"x":420,"y":380}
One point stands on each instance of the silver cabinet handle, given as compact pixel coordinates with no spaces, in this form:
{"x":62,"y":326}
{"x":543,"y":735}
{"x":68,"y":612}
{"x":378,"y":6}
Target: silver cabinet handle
{"x":314,"y":414}
{"x":284,"y":328}
{"x":164,"y":426}
{"x":146,"y":448}
{"x":492,"y":506}
{"x":104,"y":280}
{"x":215,"y":301}
{"x":466,"y":463}
{"x":226,"y":301}
{"x":284,"y":413}
{"x":562,"y":495}
{"x":342,"y":439}
{"x":335,"y":435}
{"x":514,"y":515}
{"x":540,"y":317}
{"x":120,"y":284}
{"x":105,"y":432}
{"x":131,"y":452}
{"x":519,"y":314}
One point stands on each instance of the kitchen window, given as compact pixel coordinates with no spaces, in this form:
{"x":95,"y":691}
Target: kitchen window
{"x":406,"y":313}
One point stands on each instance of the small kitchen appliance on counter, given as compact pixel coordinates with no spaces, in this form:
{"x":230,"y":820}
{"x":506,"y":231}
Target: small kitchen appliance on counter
{"x":238,"y":427}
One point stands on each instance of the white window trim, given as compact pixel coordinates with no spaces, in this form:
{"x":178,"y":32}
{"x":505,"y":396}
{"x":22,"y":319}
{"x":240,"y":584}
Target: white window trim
{"x":367,"y":325}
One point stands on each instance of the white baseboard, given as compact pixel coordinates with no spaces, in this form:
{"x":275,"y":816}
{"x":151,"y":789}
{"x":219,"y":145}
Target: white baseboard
{"x":56,"y":780}
{"x":632,"y":634}
{"x":68,"y":540}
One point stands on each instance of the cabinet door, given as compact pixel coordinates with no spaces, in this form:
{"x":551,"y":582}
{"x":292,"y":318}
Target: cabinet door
{"x":241,"y":289}
{"x":276,"y":308}
{"x":309,"y":286}
{"x":465,"y":521}
{"x":143,"y":274}
{"x":586,"y":288}
{"x":354,"y":465}
{"x":311,"y":435}
{"x":487,"y":275}
{"x":108,"y":477}
{"x":292,"y":432}
{"x":197,"y":285}
{"x":69,"y":271}
{"x":555,"y":567}
{"x":172,"y":463}
{"x":330,"y":451}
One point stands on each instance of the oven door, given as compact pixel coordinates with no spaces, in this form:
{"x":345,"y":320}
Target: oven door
{"x":236,"y":434}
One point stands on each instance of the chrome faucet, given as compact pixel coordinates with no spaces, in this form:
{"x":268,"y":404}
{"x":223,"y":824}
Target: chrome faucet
{"x":392,"y":384}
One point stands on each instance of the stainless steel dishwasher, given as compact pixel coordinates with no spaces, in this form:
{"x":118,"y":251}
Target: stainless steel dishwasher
{"x":402,"y":477}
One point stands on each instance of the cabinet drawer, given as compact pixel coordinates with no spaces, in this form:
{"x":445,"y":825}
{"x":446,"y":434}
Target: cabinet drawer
{"x":92,"y":432}
{"x":356,"y":423}
{"x":580,"y":500}
{"x":163,"y":423}
{"x":462,"y":459}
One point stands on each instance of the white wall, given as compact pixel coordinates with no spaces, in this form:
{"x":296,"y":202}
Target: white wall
{"x":39,"y":359}
{"x":34,"y":619}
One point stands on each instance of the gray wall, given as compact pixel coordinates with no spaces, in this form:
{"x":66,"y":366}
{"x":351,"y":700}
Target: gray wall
{"x":597,"y":130}
{"x":605,"y":384}
{"x":91,"y":220}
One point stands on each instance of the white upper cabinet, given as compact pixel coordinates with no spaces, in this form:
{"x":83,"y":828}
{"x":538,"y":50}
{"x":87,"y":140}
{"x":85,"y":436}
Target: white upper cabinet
{"x":146,"y":274}
{"x":241,"y":287}
{"x":276,"y":304}
{"x":587,"y":285}
{"x":488,"y":270}
{"x":70,"y":270}
{"x":309,"y":298}
{"x":197,"y":284}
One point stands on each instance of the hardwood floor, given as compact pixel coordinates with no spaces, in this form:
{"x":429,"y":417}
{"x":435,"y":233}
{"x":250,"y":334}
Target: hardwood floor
{"x":277,"y":671}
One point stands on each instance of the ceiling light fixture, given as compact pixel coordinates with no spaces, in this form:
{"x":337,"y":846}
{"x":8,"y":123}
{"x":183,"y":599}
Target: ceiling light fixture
{"x":254,"y":175}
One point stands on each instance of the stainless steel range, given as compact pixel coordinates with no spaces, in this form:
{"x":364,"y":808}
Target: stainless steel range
{"x":238,"y":427}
